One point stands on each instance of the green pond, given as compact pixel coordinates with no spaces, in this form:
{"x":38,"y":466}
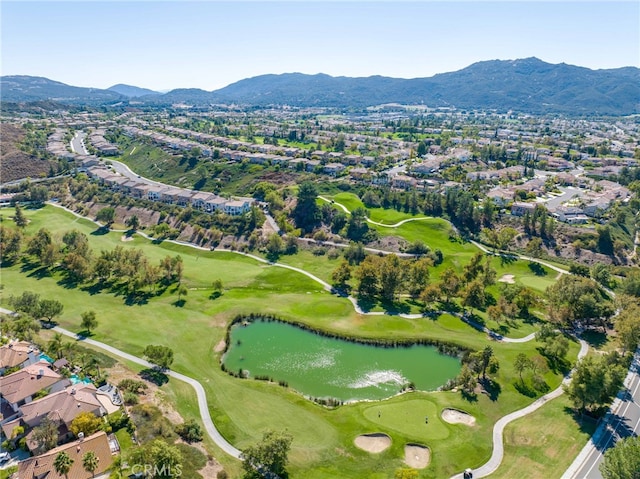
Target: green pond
{"x":322,"y":367}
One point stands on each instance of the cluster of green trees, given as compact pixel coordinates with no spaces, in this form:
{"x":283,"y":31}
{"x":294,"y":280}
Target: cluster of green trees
{"x":576,"y":300}
{"x":126,"y":268}
{"x":475,"y":367}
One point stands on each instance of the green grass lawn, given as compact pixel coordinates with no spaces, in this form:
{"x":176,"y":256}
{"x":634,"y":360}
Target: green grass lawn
{"x":543,"y":444}
{"x":242,"y":409}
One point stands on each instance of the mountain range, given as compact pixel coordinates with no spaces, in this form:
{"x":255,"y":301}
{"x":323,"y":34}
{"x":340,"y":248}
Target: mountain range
{"x":525,"y":85}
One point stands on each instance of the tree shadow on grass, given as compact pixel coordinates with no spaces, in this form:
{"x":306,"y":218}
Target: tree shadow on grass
{"x":36,"y":271}
{"x":524,"y":389}
{"x":366,"y":304}
{"x":587,"y":424}
{"x":507,"y":258}
{"x":101,"y":231}
{"x":537,"y":269}
{"x":491,"y":388}
{"x":154,"y":376}
{"x":395,"y":307}
{"x":95,"y":288}
{"x":179,"y":303}
{"x":469,"y":397}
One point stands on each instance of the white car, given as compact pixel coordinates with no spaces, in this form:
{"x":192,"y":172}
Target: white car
{"x":4,"y":456}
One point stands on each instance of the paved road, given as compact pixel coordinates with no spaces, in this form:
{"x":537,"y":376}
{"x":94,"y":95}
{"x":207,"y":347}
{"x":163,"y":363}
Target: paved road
{"x":622,"y":420}
{"x":568,"y":193}
{"x":77,"y":143}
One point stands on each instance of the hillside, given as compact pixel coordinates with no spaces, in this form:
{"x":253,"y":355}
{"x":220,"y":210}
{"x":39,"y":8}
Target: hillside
{"x":525,"y":85}
{"x":18,"y":88}
{"x":131,"y":91}
{"x":15,"y":163}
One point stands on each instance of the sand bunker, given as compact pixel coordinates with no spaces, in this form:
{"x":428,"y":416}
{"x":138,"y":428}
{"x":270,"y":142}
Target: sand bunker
{"x":453,"y":416}
{"x":507,"y":278}
{"x":375,"y":442}
{"x":126,"y":238}
{"x":417,"y":456}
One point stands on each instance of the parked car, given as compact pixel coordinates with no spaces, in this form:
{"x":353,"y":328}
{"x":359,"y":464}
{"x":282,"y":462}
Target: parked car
{"x":4,"y":457}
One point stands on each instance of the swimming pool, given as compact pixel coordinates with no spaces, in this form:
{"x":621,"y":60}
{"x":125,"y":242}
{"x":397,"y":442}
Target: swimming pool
{"x":46,"y":358}
{"x":75,"y":379}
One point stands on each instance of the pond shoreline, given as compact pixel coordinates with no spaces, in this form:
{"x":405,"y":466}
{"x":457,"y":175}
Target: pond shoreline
{"x":443,"y":349}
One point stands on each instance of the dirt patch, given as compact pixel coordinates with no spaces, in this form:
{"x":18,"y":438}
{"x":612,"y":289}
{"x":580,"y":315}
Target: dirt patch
{"x":220,"y":346}
{"x":454,"y":416}
{"x":417,"y":456}
{"x":374,"y":443}
{"x":212,"y":467}
{"x":507,"y":278}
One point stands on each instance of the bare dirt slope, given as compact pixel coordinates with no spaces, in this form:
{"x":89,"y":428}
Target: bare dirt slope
{"x":14,"y":163}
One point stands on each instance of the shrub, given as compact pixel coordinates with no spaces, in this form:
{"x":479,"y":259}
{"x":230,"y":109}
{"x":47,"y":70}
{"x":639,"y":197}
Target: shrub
{"x":190,"y":431}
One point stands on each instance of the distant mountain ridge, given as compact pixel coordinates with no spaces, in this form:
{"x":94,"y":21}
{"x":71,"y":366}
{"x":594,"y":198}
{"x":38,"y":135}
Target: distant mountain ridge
{"x":131,"y":91}
{"x":526,"y":85}
{"x":23,"y":88}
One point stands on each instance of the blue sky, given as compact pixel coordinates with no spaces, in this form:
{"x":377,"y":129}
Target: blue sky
{"x":210,"y":44}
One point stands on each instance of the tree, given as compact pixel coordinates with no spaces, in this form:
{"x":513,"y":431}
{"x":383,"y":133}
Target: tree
{"x":341,"y":274}
{"x":594,"y":383}
{"x":306,"y":213}
{"x":106,"y":215}
{"x":45,"y":435}
{"x":42,"y":247}
{"x":62,"y":463}
{"x":418,"y":277}
{"x":133,"y":222}
{"x":161,"y":356}
{"x":49,"y":309}
{"x":86,"y":423}
{"x":505,"y":237}
{"x":28,"y":302}
{"x":367,"y":276}
{"x":521,"y":364}
{"x":357,"y":227}
{"x":391,"y":276}
{"x":190,"y":431}
{"x":19,"y":218}
{"x":473,"y":295}
{"x":275,"y":246}
{"x":182,"y":291}
{"x":11,"y":241}
{"x":89,"y":321}
{"x":55,"y":346}
{"x":623,"y":460}
{"x":450,"y":283}
{"x":90,"y":462}
{"x":494,"y":313}
{"x":627,"y":325}
{"x":166,"y":459}
{"x":268,"y":457}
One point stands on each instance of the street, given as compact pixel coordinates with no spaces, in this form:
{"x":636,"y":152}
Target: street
{"x":623,"y":421}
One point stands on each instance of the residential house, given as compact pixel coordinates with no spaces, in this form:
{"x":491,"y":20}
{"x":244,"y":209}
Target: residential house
{"x":237,"y":207}
{"x":17,"y":354}
{"x":19,"y":388}
{"x":519,"y":208}
{"x":215,"y":203}
{"x":41,"y":467}
{"x":333,"y":169}
{"x":61,"y":408}
{"x":403,"y":182}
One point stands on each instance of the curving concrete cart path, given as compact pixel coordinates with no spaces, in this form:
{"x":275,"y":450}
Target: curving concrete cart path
{"x":498,"y":429}
{"x":202,"y":397}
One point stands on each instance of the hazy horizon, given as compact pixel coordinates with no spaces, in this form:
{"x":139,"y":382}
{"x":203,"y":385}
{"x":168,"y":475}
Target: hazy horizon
{"x":163,"y":45}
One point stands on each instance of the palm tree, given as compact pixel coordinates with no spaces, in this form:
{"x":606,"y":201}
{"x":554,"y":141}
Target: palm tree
{"x":62,"y":464}
{"x":55,"y":345}
{"x":90,"y":462}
